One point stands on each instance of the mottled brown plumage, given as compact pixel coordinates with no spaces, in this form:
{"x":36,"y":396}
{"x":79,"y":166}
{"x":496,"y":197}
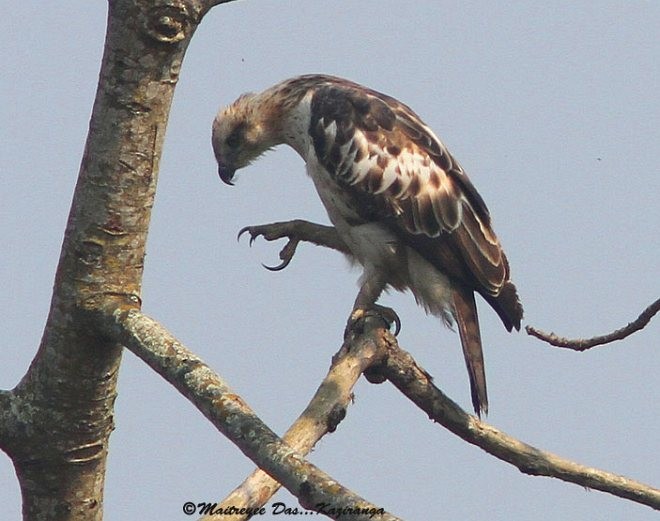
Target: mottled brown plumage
{"x":402,"y":204}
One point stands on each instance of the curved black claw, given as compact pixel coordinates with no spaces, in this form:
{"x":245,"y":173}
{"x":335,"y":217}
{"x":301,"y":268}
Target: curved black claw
{"x":272,"y":232}
{"x":397,"y":323}
{"x":286,"y":255}
{"x":390,"y":316}
{"x":386,"y":314}
{"x":253,"y":234}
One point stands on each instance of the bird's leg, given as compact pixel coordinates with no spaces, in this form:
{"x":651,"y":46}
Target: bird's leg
{"x":365,"y":304}
{"x":296,"y":231}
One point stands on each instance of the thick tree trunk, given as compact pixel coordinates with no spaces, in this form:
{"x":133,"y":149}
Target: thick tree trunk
{"x":57,"y":421}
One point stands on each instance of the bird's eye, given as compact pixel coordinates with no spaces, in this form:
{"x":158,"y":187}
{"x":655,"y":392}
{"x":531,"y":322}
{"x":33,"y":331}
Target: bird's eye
{"x":234,"y":139}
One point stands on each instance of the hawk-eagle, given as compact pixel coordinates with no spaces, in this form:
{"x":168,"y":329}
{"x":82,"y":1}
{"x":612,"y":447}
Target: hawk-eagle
{"x":401,"y":204}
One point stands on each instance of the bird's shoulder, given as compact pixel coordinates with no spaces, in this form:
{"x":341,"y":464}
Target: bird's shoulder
{"x":374,"y":144}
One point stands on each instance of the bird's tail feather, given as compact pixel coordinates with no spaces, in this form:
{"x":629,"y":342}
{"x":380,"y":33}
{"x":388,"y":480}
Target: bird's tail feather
{"x":465,"y":311}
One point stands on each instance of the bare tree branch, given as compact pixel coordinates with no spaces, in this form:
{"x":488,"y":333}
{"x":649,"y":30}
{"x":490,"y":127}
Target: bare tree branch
{"x":401,"y":369}
{"x":60,"y":415}
{"x":587,"y":343}
{"x":324,"y":412}
{"x":231,"y":415}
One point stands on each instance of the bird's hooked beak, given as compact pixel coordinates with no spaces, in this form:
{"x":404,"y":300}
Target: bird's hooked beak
{"x":226,"y":173}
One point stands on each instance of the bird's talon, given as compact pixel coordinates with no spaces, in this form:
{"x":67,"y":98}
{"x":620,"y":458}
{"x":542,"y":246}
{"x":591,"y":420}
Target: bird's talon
{"x":279,"y":267}
{"x":286,"y":253}
{"x":388,"y":315}
{"x":241,"y":232}
{"x":253,"y":234}
{"x":397,"y":325}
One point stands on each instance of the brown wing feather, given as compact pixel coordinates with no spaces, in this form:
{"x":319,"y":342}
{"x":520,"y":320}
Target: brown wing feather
{"x":401,"y":173}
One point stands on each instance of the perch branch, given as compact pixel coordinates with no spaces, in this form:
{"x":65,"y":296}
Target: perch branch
{"x":227,"y":411}
{"x":402,"y":371}
{"x":324,"y":412}
{"x":582,"y":344}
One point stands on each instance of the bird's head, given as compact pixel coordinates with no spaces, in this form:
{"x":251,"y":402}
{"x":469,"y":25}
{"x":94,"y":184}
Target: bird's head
{"x":240,"y":135}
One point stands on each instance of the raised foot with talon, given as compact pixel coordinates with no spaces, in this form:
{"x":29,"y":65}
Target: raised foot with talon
{"x":272,"y":232}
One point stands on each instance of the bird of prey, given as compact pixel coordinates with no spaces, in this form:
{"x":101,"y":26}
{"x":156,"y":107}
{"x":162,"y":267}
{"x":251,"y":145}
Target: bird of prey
{"x":401,"y":204}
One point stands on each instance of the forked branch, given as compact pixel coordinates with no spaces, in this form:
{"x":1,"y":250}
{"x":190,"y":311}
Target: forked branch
{"x":228,"y":412}
{"x":324,"y":412}
{"x":231,"y":415}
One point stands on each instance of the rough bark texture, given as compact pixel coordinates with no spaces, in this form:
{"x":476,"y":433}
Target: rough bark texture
{"x":57,"y":421}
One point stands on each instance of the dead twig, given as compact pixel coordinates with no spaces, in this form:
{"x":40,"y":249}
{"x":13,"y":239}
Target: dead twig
{"x":587,"y":343}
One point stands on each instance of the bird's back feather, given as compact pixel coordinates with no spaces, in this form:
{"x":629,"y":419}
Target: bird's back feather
{"x":398,"y":172}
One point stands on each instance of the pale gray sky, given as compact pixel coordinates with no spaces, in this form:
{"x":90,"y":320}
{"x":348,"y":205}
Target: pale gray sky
{"x":551,"y":108}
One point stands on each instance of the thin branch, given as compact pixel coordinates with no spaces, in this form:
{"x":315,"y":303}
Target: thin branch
{"x":401,"y":369}
{"x":324,"y":412}
{"x":587,"y":343}
{"x":183,"y":369}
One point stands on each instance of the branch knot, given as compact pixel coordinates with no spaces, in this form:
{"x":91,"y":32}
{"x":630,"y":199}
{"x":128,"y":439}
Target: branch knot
{"x":168,"y":21}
